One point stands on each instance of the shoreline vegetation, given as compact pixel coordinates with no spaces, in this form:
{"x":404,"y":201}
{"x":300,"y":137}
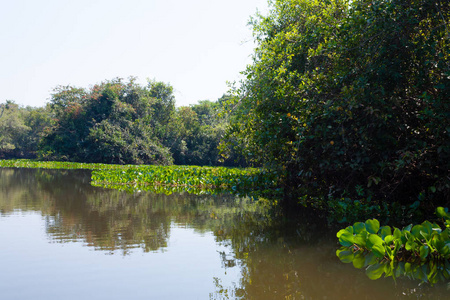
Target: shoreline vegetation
{"x":253,"y":182}
{"x":420,"y":251}
{"x":344,"y":110}
{"x":166,"y":179}
{"x":379,"y":249}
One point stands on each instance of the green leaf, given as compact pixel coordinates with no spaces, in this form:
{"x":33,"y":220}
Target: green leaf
{"x":370,"y":259}
{"x":388,"y":269}
{"x":415,"y":231}
{"x":359,"y":260}
{"x":407,"y":228}
{"x":427,"y":230}
{"x":375,"y":271}
{"x":345,"y":255}
{"x":397,"y":233}
{"x":437,"y":242}
{"x":400,"y":270}
{"x":406,"y":236}
{"x":385,"y":231}
{"x":424,"y":251}
{"x":411,"y":245}
{"x":376,"y":244}
{"x":445,"y":250}
{"x":340,"y":232}
{"x":420,"y":272}
{"x":358,"y":227}
{"x":389,"y":239}
{"x":398,"y":245}
{"x":408,"y":267}
{"x":361,"y":239}
{"x":442,"y":212}
{"x":346,"y":239}
{"x":372,"y":226}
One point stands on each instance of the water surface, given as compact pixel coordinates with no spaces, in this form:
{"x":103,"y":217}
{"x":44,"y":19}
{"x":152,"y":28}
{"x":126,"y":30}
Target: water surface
{"x":61,"y":238}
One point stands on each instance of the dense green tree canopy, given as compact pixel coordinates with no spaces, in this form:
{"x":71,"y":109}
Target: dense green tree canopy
{"x":21,"y":129}
{"x":351,"y":98}
{"x":199,"y":130}
{"x":116,"y":122}
{"x":112,"y":122}
{"x":11,"y":126}
{"x":344,"y":100}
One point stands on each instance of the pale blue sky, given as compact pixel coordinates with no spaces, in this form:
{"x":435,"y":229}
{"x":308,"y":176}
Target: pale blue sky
{"x":194,"y":45}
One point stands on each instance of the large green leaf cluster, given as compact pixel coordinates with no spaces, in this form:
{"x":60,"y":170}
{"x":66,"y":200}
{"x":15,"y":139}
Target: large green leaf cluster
{"x":193,"y":179}
{"x":421,"y":251}
{"x":351,"y":98}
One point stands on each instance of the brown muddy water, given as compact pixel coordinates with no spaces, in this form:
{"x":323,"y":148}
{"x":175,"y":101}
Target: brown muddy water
{"x":61,"y":238}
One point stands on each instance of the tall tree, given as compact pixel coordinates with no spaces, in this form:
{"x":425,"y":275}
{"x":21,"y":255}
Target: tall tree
{"x":350,"y":98}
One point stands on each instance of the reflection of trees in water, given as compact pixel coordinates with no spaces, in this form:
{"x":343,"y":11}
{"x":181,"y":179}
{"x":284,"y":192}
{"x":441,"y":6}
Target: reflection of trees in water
{"x":19,"y":190}
{"x":109,"y":219}
{"x":277,"y":260}
{"x":297,"y":260}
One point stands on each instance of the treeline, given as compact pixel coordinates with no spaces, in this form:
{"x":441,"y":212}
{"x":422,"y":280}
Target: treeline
{"x":119,"y":122}
{"x":350,"y":100}
{"x":347,"y":101}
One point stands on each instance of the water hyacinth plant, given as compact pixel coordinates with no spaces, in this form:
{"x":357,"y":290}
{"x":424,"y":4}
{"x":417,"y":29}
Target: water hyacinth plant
{"x":421,"y":251}
{"x":186,"y":178}
{"x":167,"y":179}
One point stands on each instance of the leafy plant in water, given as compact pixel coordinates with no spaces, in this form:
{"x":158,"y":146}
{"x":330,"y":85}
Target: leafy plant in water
{"x":192,"y":179}
{"x":167,"y":179}
{"x":421,"y":251}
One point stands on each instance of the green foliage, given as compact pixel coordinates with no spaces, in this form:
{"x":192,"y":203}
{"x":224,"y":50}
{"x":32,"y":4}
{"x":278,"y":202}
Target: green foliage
{"x":349,"y":98}
{"x":117,"y":122}
{"x":432,"y":272}
{"x":193,"y":179}
{"x":26,"y":163}
{"x":167,"y":179}
{"x":427,"y":241}
{"x":21,"y":129}
{"x":416,"y":247}
{"x":124,"y":123}
{"x":37,"y":119}
{"x":442,"y":213}
{"x":426,"y":271}
{"x":12,"y":125}
{"x":113,"y":122}
{"x":195,"y":134}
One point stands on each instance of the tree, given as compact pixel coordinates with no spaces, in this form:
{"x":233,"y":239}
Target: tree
{"x":113,"y":122}
{"x":37,"y":119}
{"x":12,"y":128}
{"x":197,"y":133}
{"x":21,"y":129}
{"x":350,"y":99}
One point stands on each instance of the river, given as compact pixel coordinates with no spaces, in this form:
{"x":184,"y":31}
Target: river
{"x":61,"y":238}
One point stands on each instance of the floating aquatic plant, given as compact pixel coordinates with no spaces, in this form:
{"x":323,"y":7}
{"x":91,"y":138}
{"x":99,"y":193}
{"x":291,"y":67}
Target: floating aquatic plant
{"x":192,"y":179}
{"x":419,"y":251}
{"x":167,"y":179}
